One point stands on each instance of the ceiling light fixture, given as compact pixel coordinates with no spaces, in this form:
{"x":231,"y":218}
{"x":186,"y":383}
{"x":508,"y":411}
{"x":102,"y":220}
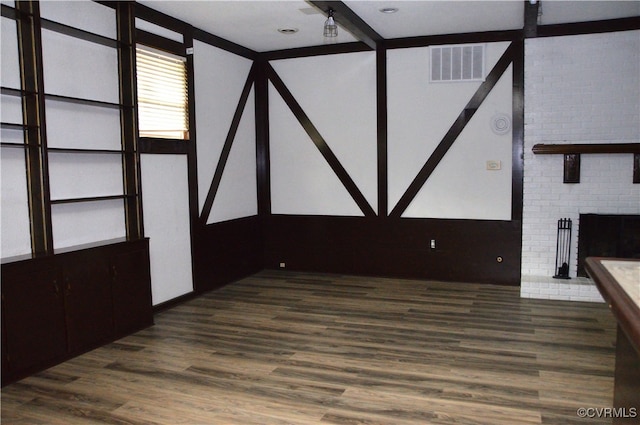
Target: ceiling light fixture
{"x":389,"y":10}
{"x":288,"y":30}
{"x":330,"y":27}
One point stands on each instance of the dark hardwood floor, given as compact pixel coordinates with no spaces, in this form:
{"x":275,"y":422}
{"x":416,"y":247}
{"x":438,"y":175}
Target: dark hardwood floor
{"x":296,"y":348}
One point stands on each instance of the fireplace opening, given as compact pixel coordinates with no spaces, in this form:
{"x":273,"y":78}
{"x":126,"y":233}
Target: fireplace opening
{"x":602,"y":235}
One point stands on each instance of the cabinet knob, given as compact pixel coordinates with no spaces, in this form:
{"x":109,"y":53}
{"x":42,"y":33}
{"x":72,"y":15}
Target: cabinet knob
{"x":56,"y":287}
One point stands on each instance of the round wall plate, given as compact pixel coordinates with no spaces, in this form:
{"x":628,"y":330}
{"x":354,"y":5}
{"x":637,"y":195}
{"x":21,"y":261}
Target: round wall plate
{"x":501,"y":123}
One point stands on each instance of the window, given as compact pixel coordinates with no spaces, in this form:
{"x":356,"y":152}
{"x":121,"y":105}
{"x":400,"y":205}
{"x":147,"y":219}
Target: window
{"x":457,"y":63}
{"x":162,"y":94}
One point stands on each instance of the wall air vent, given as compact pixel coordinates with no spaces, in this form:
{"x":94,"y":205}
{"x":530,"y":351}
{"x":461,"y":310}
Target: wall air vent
{"x":457,"y":63}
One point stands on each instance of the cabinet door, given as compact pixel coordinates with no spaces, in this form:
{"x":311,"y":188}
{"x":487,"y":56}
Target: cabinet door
{"x":88,"y":302}
{"x":132,"y":290}
{"x":33,"y":313}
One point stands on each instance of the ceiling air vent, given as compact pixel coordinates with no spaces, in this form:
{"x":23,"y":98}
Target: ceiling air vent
{"x":457,"y":63}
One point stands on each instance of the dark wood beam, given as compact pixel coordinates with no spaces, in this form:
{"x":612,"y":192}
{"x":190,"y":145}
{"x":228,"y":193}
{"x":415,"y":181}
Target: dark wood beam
{"x":470,"y":37}
{"x":263,"y":167}
{"x":303,"y":52}
{"x":37,"y":164}
{"x":128,"y":120}
{"x":350,"y":21}
{"x":531,"y":18}
{"x":517,"y":118}
{"x":227,"y":45}
{"x":592,"y":27}
{"x":382,"y":130}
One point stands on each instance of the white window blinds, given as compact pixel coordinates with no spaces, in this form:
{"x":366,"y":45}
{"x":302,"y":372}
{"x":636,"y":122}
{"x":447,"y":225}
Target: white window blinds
{"x":162,"y":94}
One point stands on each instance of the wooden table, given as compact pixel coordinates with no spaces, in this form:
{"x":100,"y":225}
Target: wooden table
{"x":618,"y":280}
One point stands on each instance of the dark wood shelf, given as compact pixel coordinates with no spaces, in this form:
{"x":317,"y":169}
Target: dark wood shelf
{"x":14,"y":126}
{"x":80,"y":101}
{"x":89,"y":199}
{"x":17,"y":145}
{"x":8,"y":12}
{"x":573,"y":148}
{"x":8,"y":91}
{"x":78,"y":33}
{"x":90,"y":151}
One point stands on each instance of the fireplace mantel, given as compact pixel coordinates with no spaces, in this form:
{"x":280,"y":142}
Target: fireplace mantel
{"x":572,"y":151}
{"x":567,"y":148}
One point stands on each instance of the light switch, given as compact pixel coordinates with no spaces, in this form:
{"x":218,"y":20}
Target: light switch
{"x":493,"y":165}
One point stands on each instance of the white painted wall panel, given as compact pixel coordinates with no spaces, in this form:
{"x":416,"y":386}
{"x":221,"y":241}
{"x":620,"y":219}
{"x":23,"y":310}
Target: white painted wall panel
{"x":165,"y":196}
{"x":10,"y":64}
{"x":338,"y":93}
{"x":83,"y":14}
{"x":14,"y":209}
{"x":461,"y":186}
{"x":238,"y":192}
{"x":86,"y":222}
{"x":302,"y":182}
{"x":77,"y":68}
{"x":219,"y":79}
{"x":70,"y":125}
{"x":11,"y":109}
{"x":419,"y":115}
{"x":78,"y":175}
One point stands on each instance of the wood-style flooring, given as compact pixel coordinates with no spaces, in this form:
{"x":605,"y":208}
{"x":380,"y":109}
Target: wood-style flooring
{"x":299,"y":348}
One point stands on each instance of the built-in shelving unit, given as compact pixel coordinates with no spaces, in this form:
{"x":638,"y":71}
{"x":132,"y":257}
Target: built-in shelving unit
{"x":79,"y":276}
{"x":77,"y":122}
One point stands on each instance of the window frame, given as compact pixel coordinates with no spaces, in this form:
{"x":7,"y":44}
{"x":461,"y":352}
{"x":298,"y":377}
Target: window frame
{"x":174,"y":48}
{"x":144,"y":134}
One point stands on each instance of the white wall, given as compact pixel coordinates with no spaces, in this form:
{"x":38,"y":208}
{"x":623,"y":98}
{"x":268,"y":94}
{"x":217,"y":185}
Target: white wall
{"x":165,"y":196}
{"x":337,"y":92}
{"x":420,"y":114}
{"x":219,"y":79}
{"x":578,"y":89}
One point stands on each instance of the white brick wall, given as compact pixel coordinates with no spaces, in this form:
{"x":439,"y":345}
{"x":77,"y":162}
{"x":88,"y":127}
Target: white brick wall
{"x":578,"y":89}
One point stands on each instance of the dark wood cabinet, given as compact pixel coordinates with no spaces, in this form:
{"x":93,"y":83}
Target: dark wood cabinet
{"x":88,"y":300}
{"x":131,"y":301}
{"x":34,"y":318}
{"x":59,"y":306}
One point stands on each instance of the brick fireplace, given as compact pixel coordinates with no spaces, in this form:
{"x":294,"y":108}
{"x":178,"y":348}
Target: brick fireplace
{"x":571,"y":99}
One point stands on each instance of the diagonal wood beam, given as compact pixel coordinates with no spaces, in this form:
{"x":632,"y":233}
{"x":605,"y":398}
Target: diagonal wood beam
{"x":320,"y":143}
{"x":226,"y":149}
{"x":348,"y":19}
{"x":455,"y":131}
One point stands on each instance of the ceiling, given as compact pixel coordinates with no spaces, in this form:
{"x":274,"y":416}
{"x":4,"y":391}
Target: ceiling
{"x":254,"y":24}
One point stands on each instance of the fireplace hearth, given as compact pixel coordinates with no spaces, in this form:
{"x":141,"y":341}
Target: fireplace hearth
{"x":601,"y":235}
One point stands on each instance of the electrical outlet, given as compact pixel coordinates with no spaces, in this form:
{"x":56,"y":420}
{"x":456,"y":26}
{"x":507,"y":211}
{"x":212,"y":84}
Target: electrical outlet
{"x":283,"y":265}
{"x":433,"y":244}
